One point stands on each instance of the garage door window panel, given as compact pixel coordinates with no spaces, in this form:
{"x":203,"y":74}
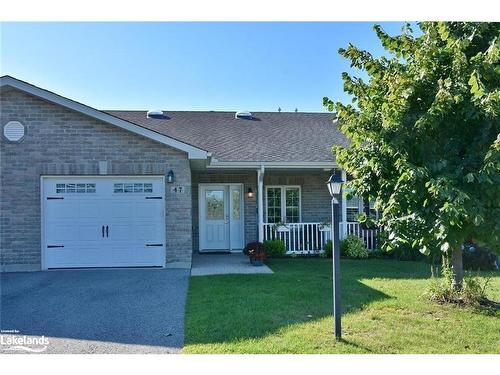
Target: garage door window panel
{"x":70,"y":188}
{"x":137,"y":187}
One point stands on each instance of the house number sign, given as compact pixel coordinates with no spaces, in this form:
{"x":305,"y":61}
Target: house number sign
{"x":178,"y":190}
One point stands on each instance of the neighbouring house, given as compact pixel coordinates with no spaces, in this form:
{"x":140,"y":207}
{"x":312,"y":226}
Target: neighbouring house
{"x":82,"y":187}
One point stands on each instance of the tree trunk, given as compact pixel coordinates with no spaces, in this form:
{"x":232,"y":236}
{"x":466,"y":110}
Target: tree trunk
{"x":457,"y":268}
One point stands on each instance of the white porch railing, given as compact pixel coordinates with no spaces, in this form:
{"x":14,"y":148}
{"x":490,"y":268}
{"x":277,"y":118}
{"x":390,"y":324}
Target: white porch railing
{"x":310,"y":238}
{"x":369,"y":236}
{"x":299,"y":238}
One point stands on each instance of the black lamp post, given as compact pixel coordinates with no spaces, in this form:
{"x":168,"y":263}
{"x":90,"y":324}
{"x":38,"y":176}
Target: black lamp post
{"x":334,"y":184}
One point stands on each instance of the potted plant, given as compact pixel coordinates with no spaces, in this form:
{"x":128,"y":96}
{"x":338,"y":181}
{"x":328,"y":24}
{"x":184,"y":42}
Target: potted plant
{"x":281,"y":227}
{"x":325,"y":226}
{"x":256,"y":252}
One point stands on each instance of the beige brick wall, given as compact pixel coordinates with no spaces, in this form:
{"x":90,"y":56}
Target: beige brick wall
{"x":316,"y":200}
{"x":63,"y":142}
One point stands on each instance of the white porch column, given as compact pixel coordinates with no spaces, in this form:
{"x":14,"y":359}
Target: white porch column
{"x":343,"y":215}
{"x":260,"y":202}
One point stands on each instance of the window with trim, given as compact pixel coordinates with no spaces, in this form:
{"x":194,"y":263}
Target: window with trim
{"x":372,"y":211}
{"x":283,"y":204}
{"x":356,"y":206}
{"x":352,"y":208}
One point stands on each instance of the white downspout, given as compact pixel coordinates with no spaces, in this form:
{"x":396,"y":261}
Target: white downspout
{"x":260,"y":202}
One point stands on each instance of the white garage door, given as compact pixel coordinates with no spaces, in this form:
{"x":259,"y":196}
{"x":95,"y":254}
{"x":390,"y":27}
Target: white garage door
{"x":103,"y":221}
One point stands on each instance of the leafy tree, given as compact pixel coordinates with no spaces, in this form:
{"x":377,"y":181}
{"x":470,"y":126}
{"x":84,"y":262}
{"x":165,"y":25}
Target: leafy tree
{"x":424,"y":131}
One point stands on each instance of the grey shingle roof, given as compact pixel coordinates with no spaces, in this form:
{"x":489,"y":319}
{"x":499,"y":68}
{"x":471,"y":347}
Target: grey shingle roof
{"x":269,"y":136}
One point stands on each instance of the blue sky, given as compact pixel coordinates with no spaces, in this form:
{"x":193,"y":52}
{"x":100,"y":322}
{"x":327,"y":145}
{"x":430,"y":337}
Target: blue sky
{"x":187,"y":66}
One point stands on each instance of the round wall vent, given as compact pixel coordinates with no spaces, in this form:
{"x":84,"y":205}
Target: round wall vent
{"x":13,"y":131}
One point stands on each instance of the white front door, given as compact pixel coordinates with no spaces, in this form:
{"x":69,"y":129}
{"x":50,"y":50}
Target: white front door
{"x":103,"y":221}
{"x":221,"y":217}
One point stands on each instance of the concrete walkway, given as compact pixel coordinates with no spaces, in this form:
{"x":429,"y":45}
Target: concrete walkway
{"x":221,"y":264}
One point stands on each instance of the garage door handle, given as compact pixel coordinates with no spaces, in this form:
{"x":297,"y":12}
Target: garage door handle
{"x":154,"y":244}
{"x":107,"y":231}
{"x":102,"y":228}
{"x":54,"y":246}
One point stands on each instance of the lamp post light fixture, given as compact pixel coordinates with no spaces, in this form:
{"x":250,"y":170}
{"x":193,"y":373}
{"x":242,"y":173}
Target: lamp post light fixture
{"x":170,"y":176}
{"x":334,"y":184}
{"x":250,"y":193}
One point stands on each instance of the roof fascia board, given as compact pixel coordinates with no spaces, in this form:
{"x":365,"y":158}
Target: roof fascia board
{"x":193,"y":152}
{"x":271,"y":165}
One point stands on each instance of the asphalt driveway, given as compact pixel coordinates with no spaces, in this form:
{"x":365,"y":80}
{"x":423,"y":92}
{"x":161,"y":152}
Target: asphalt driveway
{"x":97,"y":311}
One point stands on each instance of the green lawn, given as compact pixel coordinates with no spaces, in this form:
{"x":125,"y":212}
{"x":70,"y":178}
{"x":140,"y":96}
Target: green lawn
{"x":290,"y":312}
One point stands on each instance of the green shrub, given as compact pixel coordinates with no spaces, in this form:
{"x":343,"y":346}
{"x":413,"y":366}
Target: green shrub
{"x":275,"y":248}
{"x":353,"y":247}
{"x":402,"y":252}
{"x":407,"y":253}
{"x":478,"y":258}
{"x":343,"y":247}
{"x":327,"y":250}
{"x":350,"y":247}
{"x":472,"y":292}
{"x":378,"y":254}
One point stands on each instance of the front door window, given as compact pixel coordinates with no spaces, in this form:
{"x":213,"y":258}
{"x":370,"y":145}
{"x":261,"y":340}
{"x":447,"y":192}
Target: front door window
{"x":236,"y":204}
{"x":214,"y":201}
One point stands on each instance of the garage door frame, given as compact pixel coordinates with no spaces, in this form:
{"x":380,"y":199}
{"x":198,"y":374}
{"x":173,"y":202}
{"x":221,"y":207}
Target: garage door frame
{"x":42,"y":207}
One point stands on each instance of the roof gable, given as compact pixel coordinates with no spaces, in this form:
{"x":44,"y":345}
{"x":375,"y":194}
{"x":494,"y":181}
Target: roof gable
{"x":276,"y":139}
{"x":192,"y":151}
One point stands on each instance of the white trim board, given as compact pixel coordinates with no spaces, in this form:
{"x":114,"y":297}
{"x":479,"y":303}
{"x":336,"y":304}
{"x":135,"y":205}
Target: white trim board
{"x":214,"y":164}
{"x":192,"y":151}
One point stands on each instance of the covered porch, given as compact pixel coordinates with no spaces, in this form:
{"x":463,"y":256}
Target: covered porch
{"x":267,"y":203}
{"x":299,"y":233}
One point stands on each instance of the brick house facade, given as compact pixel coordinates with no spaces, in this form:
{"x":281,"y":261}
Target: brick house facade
{"x":65,"y":138}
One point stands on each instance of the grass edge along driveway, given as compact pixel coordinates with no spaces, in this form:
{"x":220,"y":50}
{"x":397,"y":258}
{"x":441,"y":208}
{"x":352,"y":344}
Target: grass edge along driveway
{"x":290,"y":311}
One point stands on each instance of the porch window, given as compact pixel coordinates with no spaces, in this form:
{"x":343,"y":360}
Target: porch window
{"x":283,"y":204}
{"x":353,"y":208}
{"x":372,"y":211}
{"x":356,"y":205}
